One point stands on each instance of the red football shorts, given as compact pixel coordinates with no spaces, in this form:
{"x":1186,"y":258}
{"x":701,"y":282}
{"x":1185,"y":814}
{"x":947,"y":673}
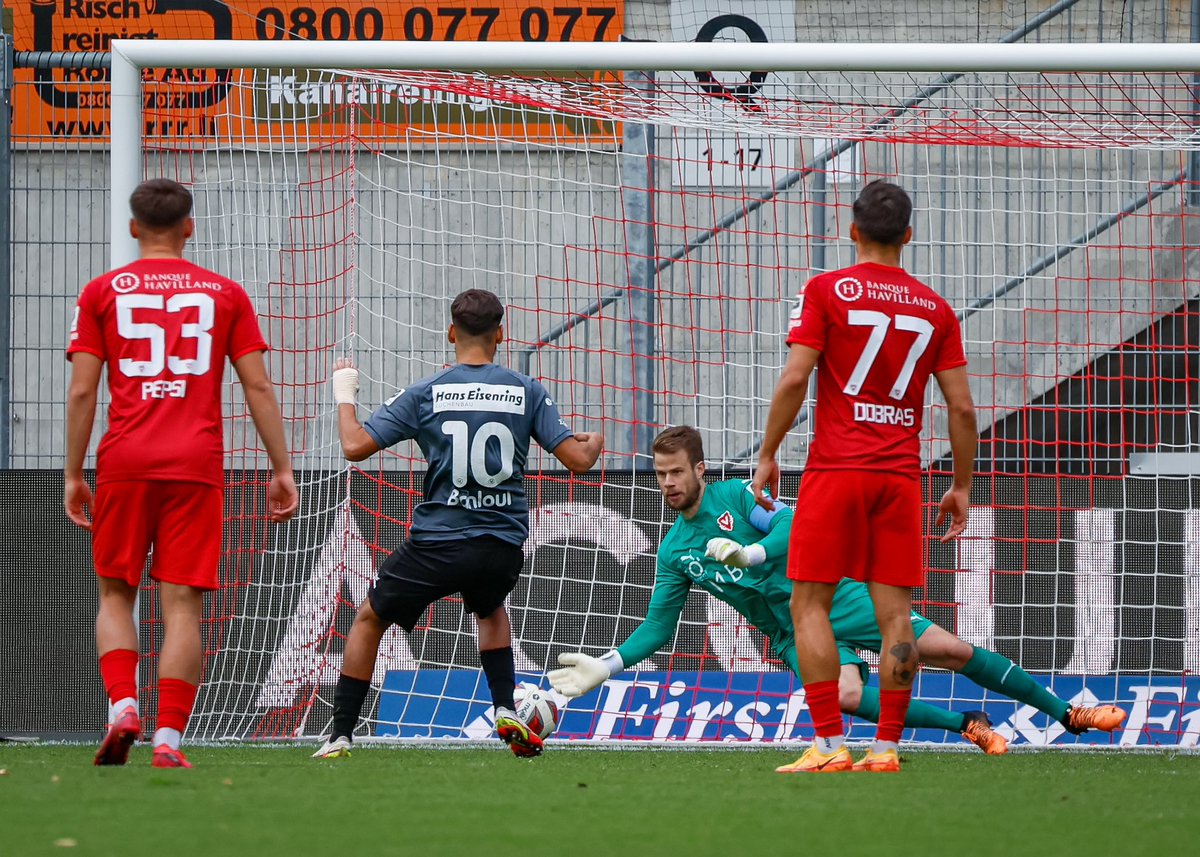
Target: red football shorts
{"x":859,"y":524}
{"x":182,"y":520}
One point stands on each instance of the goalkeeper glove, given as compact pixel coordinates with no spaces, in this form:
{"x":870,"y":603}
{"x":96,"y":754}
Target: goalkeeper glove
{"x":581,"y":673}
{"x":345,"y":385}
{"x":732,"y":554}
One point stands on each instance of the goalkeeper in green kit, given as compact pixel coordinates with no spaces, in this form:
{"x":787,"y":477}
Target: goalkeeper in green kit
{"x":730,"y":547}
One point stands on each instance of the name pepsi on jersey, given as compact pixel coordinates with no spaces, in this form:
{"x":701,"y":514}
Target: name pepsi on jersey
{"x":502,"y":398}
{"x":890,"y":415}
{"x":164,"y":390}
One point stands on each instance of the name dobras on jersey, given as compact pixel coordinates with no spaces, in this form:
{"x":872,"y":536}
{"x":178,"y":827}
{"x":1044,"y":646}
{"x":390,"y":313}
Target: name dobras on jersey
{"x":887,"y":415}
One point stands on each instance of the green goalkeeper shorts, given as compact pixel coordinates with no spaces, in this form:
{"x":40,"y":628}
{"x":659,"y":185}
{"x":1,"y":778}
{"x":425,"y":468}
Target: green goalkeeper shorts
{"x":845,"y":656}
{"x":854,"y":628}
{"x":854,"y":624}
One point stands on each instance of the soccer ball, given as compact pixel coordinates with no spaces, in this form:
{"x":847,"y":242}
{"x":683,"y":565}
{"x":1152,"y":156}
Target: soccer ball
{"x":537,"y":709}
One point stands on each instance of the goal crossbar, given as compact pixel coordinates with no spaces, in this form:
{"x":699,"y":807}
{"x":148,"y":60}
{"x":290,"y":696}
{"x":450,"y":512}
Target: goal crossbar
{"x":664,"y":56}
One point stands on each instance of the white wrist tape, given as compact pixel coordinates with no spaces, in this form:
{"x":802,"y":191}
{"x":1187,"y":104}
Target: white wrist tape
{"x":345,"y":386}
{"x":613,"y":661}
{"x":755,"y":553}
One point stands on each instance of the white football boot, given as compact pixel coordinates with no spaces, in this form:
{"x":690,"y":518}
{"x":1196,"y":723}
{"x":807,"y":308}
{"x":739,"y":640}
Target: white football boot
{"x":334,"y":748}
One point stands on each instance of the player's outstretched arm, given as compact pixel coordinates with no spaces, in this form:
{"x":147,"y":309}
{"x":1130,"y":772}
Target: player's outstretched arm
{"x":581,"y":673}
{"x":81,"y":413}
{"x":356,"y":443}
{"x":964,"y":439}
{"x":580,"y":452}
{"x":785,"y":404}
{"x":251,"y":370}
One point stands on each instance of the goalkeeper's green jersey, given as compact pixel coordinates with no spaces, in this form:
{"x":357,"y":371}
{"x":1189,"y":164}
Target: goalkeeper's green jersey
{"x":761,"y":594}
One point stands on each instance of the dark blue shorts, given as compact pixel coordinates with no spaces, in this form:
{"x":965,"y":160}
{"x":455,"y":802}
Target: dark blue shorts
{"x":417,"y":574}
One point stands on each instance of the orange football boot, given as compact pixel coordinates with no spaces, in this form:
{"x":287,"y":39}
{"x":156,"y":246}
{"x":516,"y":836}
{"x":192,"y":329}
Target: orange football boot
{"x":887,"y":762}
{"x":1106,"y":718}
{"x":815,"y":762}
{"x":980,"y":733}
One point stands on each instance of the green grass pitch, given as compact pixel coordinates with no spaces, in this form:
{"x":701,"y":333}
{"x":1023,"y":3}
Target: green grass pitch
{"x":384,"y":800}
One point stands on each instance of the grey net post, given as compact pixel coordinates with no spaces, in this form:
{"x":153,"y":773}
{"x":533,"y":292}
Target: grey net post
{"x":6,"y":314}
{"x":637,"y":191}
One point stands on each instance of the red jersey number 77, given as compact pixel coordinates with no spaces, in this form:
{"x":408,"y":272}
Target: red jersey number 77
{"x":880,"y":323}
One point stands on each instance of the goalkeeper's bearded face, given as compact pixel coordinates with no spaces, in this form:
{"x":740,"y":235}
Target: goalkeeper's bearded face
{"x":680,"y":481}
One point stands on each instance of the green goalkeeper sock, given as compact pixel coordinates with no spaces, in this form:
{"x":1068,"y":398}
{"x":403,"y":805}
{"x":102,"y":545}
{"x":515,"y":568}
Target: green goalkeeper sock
{"x":996,"y":672}
{"x":921,"y":715}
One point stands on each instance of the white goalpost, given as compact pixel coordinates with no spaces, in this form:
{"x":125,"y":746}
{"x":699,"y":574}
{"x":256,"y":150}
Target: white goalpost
{"x":648,"y":211}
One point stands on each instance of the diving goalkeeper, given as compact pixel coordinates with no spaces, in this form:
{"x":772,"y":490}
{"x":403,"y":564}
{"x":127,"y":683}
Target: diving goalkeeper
{"x":737,"y":551}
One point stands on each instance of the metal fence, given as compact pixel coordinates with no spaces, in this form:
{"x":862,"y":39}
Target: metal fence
{"x":58,"y":207}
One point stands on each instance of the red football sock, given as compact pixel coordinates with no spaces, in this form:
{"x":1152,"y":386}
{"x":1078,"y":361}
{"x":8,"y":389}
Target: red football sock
{"x":893,"y":706}
{"x":822,"y":698}
{"x":175,"y":700}
{"x":118,"y":669}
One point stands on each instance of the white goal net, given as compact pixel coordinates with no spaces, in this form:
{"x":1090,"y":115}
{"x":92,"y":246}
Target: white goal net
{"x":648,"y":232}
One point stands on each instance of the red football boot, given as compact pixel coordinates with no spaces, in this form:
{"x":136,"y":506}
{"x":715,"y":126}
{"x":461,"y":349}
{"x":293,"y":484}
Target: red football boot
{"x":114,"y":749}
{"x":169,"y":757}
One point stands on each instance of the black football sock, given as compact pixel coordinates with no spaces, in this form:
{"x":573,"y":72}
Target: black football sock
{"x":348,"y":699}
{"x":501,"y":675}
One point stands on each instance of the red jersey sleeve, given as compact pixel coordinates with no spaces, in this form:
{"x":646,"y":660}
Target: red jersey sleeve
{"x":950,"y":353}
{"x":244,"y":333}
{"x":811,"y":328}
{"x":86,"y":331}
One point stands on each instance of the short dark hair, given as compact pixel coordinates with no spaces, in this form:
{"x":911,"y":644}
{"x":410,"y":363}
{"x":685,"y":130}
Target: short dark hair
{"x":679,"y":438}
{"x":882,"y":212}
{"x":160,"y":203}
{"x":477,"y":312}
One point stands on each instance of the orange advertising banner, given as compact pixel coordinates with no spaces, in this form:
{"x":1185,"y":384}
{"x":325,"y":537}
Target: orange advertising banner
{"x":186,"y":108}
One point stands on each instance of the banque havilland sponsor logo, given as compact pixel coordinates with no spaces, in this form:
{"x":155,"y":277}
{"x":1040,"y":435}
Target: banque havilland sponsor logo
{"x":897,"y":294}
{"x":127,"y":281}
